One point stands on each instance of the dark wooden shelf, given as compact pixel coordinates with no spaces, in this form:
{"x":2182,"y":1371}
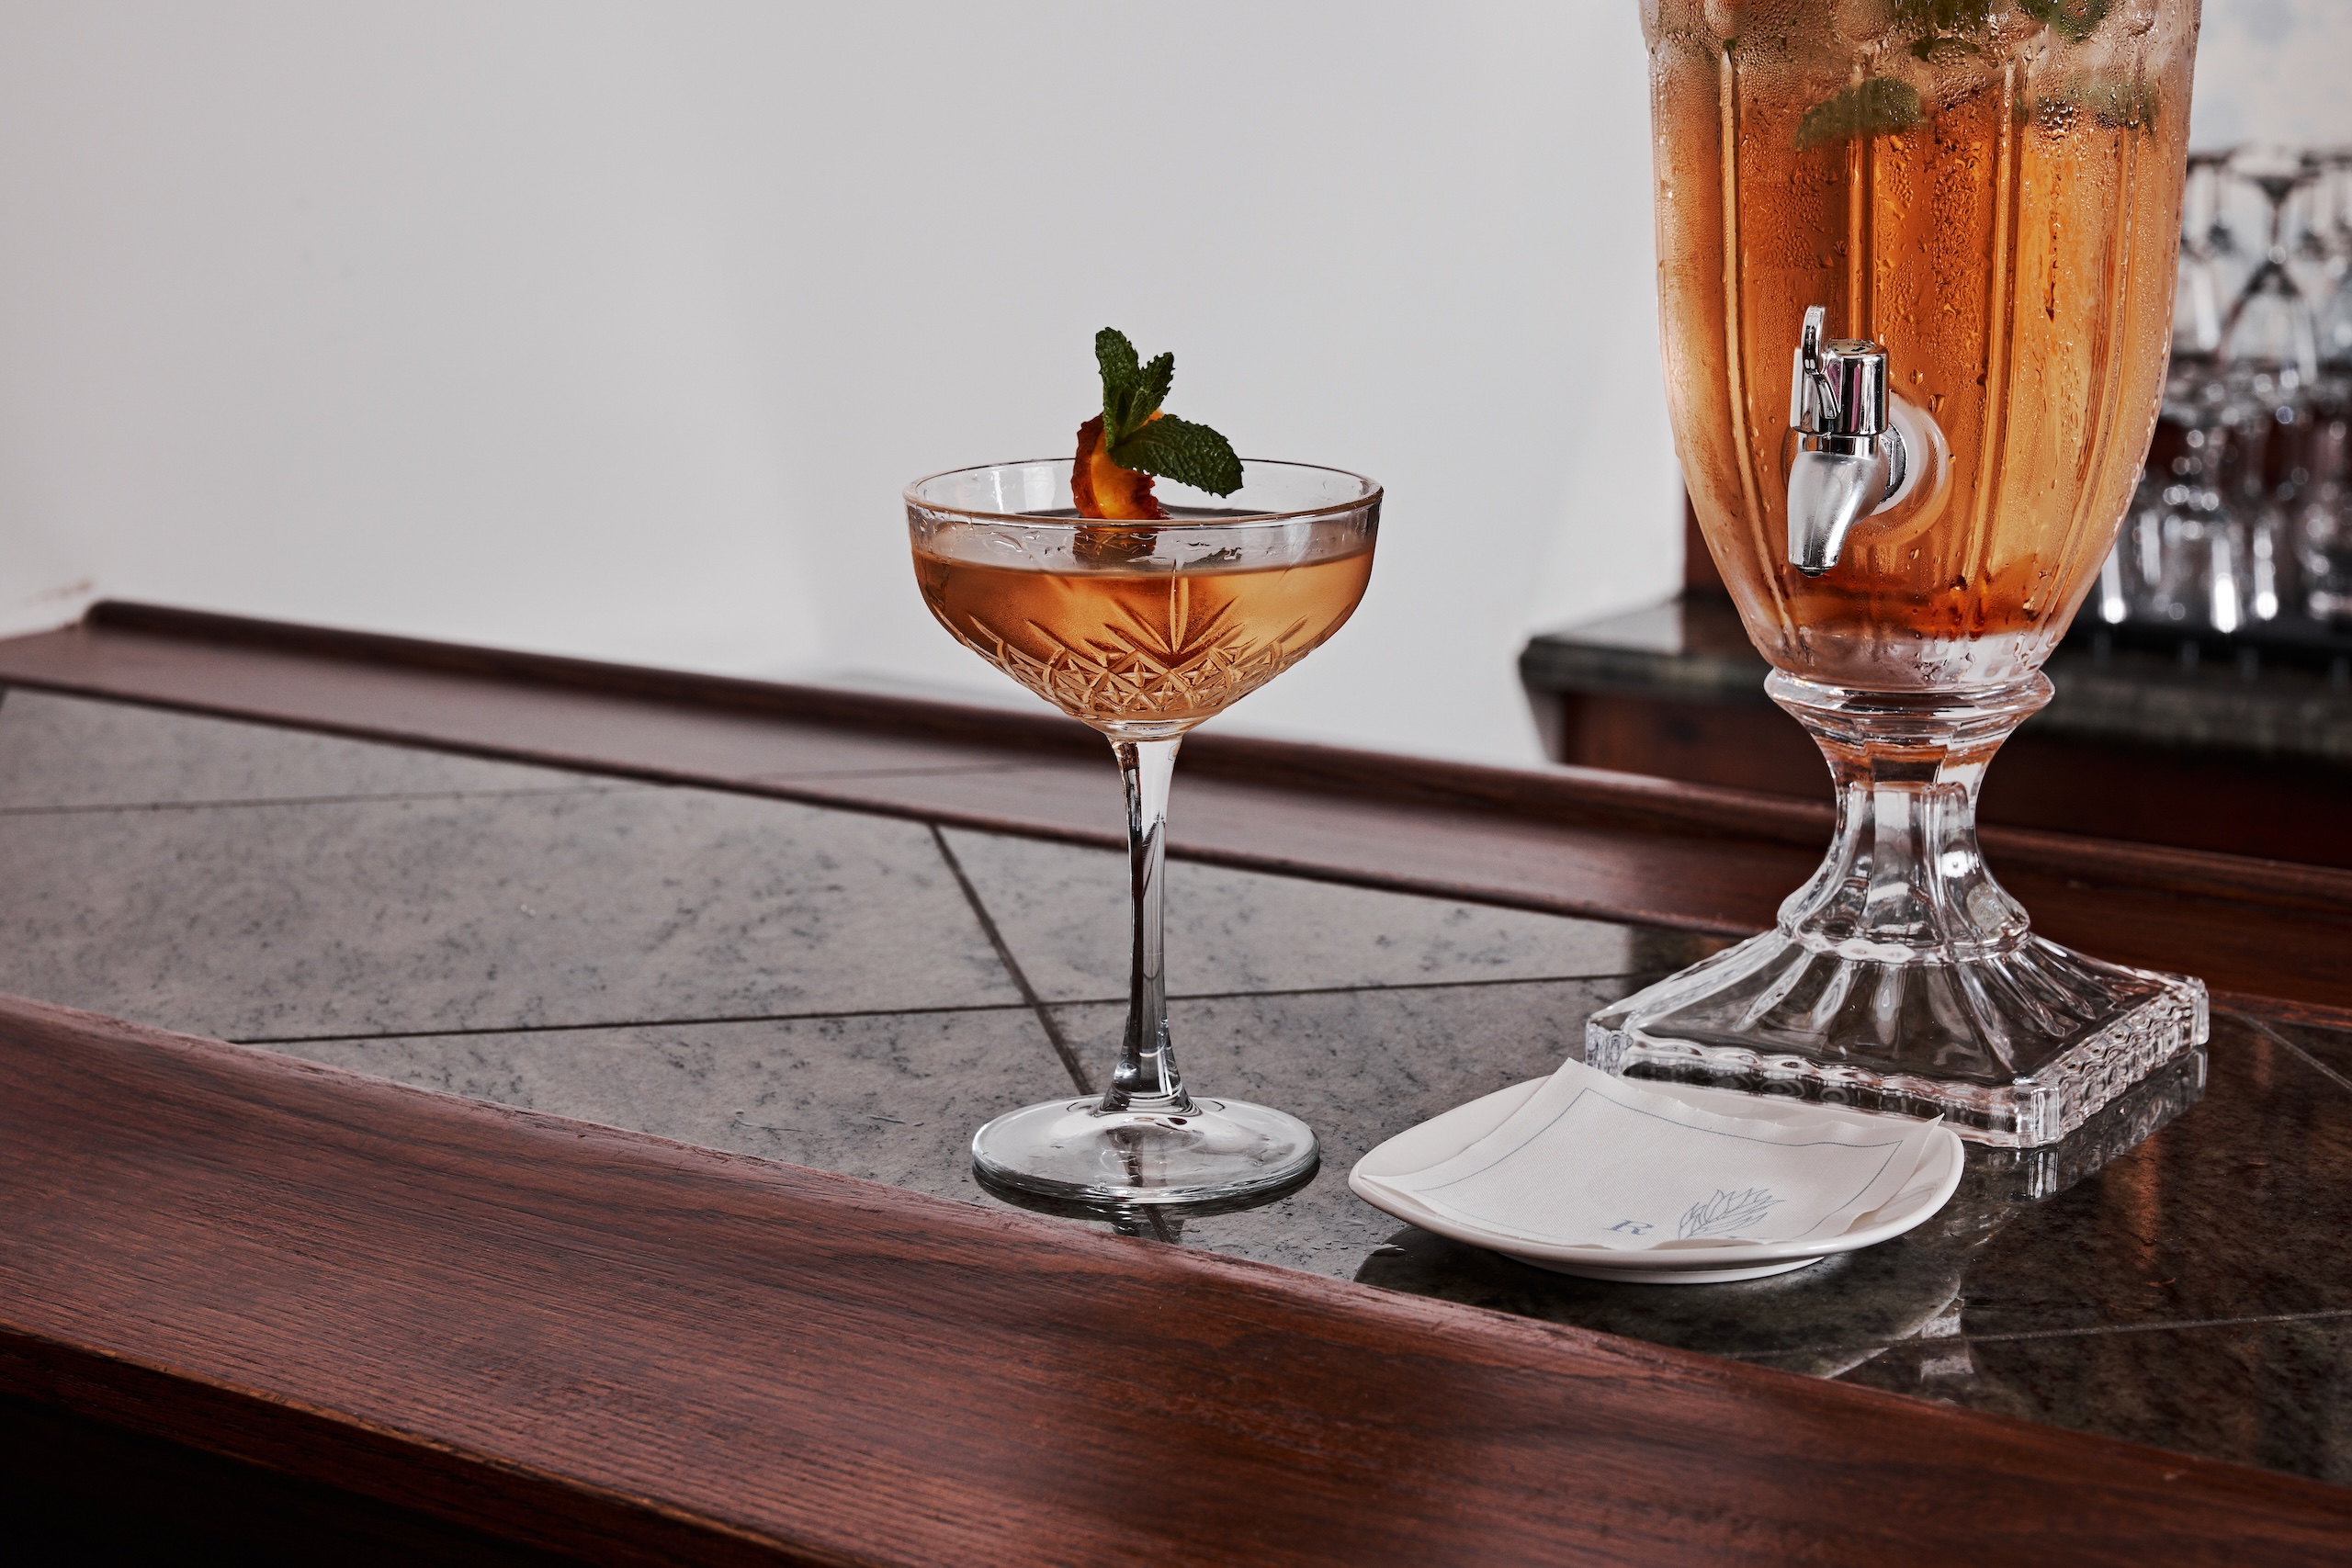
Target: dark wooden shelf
{"x":2134,"y":746}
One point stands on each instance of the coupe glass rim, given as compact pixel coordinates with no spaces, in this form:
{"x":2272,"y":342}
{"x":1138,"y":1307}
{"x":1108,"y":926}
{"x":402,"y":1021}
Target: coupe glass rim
{"x":1370,"y":496}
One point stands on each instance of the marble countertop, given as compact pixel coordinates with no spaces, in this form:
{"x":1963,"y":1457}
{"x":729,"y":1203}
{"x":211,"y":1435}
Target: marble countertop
{"x":1694,"y":649}
{"x":857,"y":993}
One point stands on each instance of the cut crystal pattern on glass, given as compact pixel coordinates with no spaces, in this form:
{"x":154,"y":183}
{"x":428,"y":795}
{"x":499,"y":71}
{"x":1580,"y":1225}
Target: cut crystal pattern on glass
{"x":2016,"y":1049}
{"x":1140,"y":668}
{"x":1902,"y":977}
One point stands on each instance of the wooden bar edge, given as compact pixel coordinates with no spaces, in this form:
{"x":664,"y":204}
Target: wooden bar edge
{"x":1424,"y":1430}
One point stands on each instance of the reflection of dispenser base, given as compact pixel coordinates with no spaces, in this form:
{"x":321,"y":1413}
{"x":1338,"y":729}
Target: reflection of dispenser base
{"x":2016,"y":1049}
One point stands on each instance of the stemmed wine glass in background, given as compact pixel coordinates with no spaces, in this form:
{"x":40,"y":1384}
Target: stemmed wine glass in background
{"x":2201,"y":294}
{"x":2177,"y":507}
{"x":2321,"y":513}
{"x":2269,"y":355}
{"x":2329,"y":247}
{"x":1142,"y":629}
{"x":2239,"y":524}
{"x":2271,"y":324}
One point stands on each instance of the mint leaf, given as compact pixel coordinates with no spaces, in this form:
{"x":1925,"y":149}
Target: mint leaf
{"x":1116,"y":355}
{"x":1868,"y":108}
{"x":1938,"y":49}
{"x":1948,"y":29}
{"x":2072,"y":19}
{"x":1153,"y":388}
{"x":2117,"y":105}
{"x":1944,"y":16}
{"x":2075,"y":19}
{"x":1178,"y":449}
{"x":1125,"y":411}
{"x":1131,"y":392}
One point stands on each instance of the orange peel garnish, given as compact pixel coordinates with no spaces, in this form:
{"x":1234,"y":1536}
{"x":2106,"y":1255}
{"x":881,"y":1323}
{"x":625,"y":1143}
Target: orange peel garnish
{"x":1100,"y":488}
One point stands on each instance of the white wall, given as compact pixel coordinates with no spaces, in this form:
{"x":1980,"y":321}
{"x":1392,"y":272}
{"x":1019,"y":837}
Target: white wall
{"x":2274,"y":71}
{"x":615,"y":329}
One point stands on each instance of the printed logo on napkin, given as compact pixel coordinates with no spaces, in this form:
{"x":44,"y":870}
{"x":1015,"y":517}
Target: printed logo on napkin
{"x":1592,"y":1160}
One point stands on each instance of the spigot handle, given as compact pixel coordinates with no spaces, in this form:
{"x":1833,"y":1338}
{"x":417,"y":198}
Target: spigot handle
{"x":1839,"y":388}
{"x":1847,"y":460}
{"x":1813,"y":396}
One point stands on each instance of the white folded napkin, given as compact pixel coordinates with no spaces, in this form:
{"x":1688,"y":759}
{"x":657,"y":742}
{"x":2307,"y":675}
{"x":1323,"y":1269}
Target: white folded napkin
{"x":1592,"y":1160}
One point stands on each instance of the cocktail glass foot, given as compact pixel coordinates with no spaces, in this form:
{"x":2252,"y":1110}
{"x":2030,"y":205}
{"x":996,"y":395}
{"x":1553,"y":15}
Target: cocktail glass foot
{"x":1197,"y":1152}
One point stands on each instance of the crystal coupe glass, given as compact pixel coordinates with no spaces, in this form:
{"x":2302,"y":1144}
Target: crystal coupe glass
{"x":1142,"y":630}
{"x":1982,"y":199}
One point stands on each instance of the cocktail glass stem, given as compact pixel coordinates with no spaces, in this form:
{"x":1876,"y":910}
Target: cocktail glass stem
{"x":1147,"y":1078}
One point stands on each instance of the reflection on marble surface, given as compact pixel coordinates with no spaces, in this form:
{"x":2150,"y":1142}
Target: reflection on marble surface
{"x":2275,"y":1394}
{"x":2329,"y":1050}
{"x":2232,"y":1211}
{"x":1358,"y":1068}
{"x":70,"y":752}
{"x":1819,"y":1320}
{"x":1146,"y":1222}
{"x":1824,"y":1318}
{"x":2121,"y":1126}
{"x":381,"y":916}
{"x":891,"y":1097}
{"x":813,"y":985}
{"x":2190,"y":1291}
{"x":1063,"y":911}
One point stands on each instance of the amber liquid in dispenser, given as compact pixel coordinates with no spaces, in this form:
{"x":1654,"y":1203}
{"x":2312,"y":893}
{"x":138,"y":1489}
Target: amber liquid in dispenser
{"x":2002,"y":211}
{"x":1137,"y":646}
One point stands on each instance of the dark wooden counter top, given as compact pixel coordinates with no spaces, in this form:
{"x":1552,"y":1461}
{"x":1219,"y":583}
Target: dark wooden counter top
{"x":580,"y":1339}
{"x":1572,"y":840}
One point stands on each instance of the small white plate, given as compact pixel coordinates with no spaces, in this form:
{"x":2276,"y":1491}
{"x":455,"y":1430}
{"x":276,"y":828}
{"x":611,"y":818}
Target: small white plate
{"x":1442,"y":1137}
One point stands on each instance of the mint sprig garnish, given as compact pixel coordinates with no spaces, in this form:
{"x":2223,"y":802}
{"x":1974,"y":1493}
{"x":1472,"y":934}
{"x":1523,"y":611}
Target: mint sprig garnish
{"x":1943,"y":16}
{"x":1873,"y":108}
{"x":1950,"y":30}
{"x":1941,"y":50}
{"x":2126,"y":105}
{"x":1169,"y":448}
{"x":2072,"y":19}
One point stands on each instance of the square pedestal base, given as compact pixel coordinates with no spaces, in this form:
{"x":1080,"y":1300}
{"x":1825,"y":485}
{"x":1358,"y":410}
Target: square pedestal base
{"x":2015,"y":1049}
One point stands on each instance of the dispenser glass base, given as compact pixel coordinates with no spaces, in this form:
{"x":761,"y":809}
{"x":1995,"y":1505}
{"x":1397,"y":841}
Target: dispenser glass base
{"x":1209,"y":1149}
{"x":2014,"y":1048}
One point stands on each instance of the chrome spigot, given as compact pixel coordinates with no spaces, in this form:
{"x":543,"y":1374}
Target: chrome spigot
{"x":1849,"y":458}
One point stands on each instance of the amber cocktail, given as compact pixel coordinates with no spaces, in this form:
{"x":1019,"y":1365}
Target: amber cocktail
{"x":1143,"y":629}
{"x":1134,"y":651}
{"x":1915,"y":268}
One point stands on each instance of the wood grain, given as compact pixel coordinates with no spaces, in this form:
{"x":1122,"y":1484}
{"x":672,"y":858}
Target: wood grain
{"x":606,"y":1344}
{"x":1567,"y":840}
